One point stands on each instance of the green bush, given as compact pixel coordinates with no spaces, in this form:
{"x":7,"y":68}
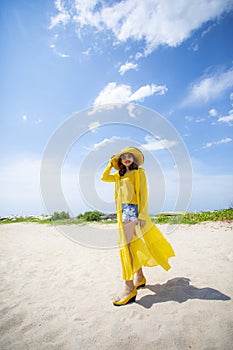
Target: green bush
{"x":195,"y":218}
{"x":90,"y":216}
{"x":80,"y":216}
{"x":60,"y":216}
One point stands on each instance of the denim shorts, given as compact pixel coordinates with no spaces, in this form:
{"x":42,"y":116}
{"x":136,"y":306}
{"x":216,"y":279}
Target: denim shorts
{"x":129,"y":212}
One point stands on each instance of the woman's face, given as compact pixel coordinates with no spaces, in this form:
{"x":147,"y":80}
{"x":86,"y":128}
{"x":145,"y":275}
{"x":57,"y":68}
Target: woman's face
{"x":127,"y":159}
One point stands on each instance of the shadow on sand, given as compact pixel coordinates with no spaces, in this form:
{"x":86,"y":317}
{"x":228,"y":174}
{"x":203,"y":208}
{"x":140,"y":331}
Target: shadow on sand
{"x":179,"y":289}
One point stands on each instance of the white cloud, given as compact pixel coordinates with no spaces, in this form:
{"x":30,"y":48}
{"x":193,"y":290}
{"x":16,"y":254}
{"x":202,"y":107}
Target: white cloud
{"x":194,"y":47}
{"x":99,"y":108}
{"x":156,"y":22}
{"x":24,"y":118}
{"x":113,"y":93}
{"x":86,"y":15}
{"x":208,"y":29}
{"x":220,"y":142}
{"x":154,"y":145}
{"x":62,"y":55}
{"x":105,"y":142}
{"x":227,"y":119}
{"x":231,"y":96}
{"x":148,"y":90}
{"x":57,"y":52}
{"x":87,"y":52}
{"x":127,"y":66}
{"x":213,"y":112}
{"x":138,"y":55}
{"x":189,"y":118}
{"x":200,"y":120}
{"x":63,"y":17}
{"x":130,"y":109}
{"x":210,"y":87}
{"x":93,"y":126}
{"x":38,"y":121}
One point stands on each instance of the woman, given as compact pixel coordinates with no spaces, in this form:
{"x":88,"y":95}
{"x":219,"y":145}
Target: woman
{"x":137,"y":248}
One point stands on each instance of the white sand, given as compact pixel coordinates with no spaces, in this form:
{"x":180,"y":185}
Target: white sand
{"x":56,"y":294}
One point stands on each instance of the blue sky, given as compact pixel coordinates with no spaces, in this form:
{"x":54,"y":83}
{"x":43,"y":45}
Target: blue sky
{"x":59,"y":58}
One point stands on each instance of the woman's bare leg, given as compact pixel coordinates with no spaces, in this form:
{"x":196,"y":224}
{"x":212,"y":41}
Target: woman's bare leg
{"x":129,"y":228}
{"x":138,"y":276}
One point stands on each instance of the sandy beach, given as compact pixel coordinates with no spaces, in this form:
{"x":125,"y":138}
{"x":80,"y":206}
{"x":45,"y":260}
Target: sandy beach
{"x":56,"y":294}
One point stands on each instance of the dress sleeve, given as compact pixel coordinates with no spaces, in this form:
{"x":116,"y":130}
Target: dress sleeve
{"x":106,"y":174}
{"x":143,"y":195}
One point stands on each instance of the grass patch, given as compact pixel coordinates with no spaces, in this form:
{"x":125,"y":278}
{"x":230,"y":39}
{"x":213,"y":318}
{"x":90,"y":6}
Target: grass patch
{"x":48,"y":221}
{"x":225,"y":215}
{"x":195,"y":218}
{"x":22,"y":219}
{"x":58,"y":222}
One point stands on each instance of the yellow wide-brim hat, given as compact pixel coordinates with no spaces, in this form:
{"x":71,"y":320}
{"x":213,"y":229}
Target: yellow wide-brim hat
{"x":139,"y":157}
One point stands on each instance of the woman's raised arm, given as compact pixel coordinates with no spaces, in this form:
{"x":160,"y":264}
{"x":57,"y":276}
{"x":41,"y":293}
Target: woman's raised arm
{"x":106,"y":176}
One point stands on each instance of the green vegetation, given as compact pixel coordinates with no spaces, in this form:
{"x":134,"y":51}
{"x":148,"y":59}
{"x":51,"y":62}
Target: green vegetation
{"x":60,"y":216}
{"x":63,"y":218}
{"x":195,"y":218}
{"x":90,"y":216}
{"x":27,"y":219}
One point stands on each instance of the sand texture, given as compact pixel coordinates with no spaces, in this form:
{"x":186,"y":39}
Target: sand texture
{"x":56,"y":294}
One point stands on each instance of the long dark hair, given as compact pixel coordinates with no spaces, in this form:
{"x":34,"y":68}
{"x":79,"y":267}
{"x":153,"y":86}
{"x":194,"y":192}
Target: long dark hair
{"x":123,"y":168}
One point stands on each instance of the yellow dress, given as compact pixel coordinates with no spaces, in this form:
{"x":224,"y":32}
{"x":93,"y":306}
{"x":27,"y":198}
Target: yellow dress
{"x":148,"y":248}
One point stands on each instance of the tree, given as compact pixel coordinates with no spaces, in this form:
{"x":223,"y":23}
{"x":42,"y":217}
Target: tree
{"x":60,"y":216}
{"x":90,"y":216}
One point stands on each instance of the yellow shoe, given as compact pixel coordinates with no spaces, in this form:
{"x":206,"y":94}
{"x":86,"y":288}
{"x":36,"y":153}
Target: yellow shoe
{"x":129,"y":299}
{"x":141,"y":284}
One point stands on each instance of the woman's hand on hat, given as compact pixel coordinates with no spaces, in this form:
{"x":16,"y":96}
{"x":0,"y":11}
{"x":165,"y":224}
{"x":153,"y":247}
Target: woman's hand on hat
{"x":111,"y":159}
